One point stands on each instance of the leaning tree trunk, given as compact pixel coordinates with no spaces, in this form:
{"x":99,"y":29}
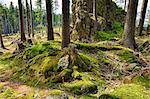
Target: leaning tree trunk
{"x":32,"y":18}
{"x":129,"y":30}
{"x":28,"y":19}
{"x":142,"y":18}
{"x":66,"y":23}
{"x":23,"y":38}
{"x":1,"y":30}
{"x":49,"y":20}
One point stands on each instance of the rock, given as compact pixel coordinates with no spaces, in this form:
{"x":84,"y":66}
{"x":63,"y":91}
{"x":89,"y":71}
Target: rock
{"x":64,"y":62}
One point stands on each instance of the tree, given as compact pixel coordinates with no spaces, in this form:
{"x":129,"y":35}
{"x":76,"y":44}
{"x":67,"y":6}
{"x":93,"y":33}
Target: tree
{"x":142,"y":18}
{"x":125,"y":4}
{"x":129,"y":29}
{"x":148,"y":28}
{"x":28,"y":18}
{"x":23,"y":38}
{"x":95,"y":14}
{"x":32,"y":18}
{"x":49,"y":20}
{"x":108,"y":14}
{"x":1,"y":39}
{"x":66,"y":23}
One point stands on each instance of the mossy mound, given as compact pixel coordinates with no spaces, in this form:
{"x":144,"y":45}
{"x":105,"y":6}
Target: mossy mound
{"x":46,"y":65}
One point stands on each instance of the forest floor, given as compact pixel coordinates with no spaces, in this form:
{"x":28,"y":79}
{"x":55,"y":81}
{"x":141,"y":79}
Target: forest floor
{"x":100,"y":70}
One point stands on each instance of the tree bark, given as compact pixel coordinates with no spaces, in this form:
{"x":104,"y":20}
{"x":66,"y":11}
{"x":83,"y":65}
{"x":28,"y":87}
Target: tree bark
{"x":142,"y":18}
{"x":129,"y":30}
{"x":28,"y":19}
{"x":66,"y":23}
{"x":125,"y":4}
{"x":1,"y":39}
{"x":107,"y":16}
{"x":95,"y":14}
{"x":49,"y":20}
{"x":32,"y":18}
{"x":148,"y":28}
{"x":23,"y":38}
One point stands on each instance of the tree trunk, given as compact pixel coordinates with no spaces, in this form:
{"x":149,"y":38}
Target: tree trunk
{"x":129,"y":30}
{"x":125,"y":4}
{"x":28,"y":19}
{"x":108,"y":14}
{"x":95,"y":14}
{"x":23,"y":38}
{"x":1,"y":39}
{"x":32,"y":19}
{"x":142,"y":18}
{"x":66,"y":23}
{"x":148,"y":28}
{"x":49,"y":20}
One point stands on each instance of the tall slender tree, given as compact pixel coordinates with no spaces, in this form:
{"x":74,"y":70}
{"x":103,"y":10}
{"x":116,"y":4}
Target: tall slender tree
{"x":28,"y":19}
{"x":142,"y":18}
{"x":129,"y":30}
{"x":23,"y":38}
{"x":49,"y":20}
{"x":66,"y":23}
{"x":95,"y":14}
{"x":32,"y":18}
{"x":1,"y":30}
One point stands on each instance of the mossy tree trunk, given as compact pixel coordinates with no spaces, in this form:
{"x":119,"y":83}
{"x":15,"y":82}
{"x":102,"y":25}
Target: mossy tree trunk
{"x":129,"y":30}
{"x":23,"y":38}
{"x":66,"y":23}
{"x":28,"y":19}
{"x":49,"y":20}
{"x":142,"y":17}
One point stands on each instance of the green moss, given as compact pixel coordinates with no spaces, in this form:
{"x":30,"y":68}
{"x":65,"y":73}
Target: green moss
{"x":55,"y":92}
{"x":80,"y":87}
{"x":127,"y":55}
{"x":142,"y":80}
{"x":131,"y":91}
{"x":8,"y":93}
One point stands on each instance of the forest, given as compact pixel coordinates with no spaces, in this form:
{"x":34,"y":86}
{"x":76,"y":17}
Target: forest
{"x":74,"y":49}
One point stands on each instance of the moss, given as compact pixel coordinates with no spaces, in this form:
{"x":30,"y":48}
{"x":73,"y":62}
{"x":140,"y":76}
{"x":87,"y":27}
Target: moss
{"x":8,"y":93}
{"x":55,"y":92}
{"x":80,"y":87}
{"x":97,"y":46}
{"x":131,"y":91}
{"x":127,"y":55}
{"x":142,"y":80}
